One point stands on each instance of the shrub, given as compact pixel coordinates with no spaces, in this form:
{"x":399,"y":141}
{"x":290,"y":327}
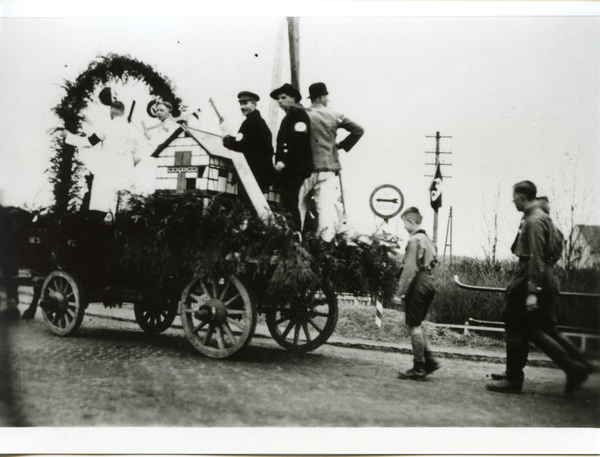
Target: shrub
{"x":453,"y":305}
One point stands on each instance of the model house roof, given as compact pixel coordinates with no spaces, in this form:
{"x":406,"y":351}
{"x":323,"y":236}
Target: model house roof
{"x":212,"y":144}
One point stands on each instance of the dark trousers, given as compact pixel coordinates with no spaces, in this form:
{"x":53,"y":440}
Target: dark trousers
{"x":539,"y":327}
{"x":289,"y":191}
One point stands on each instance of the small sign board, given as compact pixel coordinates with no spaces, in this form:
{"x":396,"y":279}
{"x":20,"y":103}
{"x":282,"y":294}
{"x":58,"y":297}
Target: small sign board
{"x":386,"y":201}
{"x":185,"y":169}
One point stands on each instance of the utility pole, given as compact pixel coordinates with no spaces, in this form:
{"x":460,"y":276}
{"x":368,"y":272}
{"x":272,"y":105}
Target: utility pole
{"x":294,"y":39}
{"x":448,"y":234}
{"x":437,"y":177}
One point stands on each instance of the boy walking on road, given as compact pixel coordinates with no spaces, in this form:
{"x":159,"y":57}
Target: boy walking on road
{"x":417,"y":290}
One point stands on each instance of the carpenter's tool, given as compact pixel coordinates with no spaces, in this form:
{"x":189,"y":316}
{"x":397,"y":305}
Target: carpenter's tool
{"x":223,"y":124}
{"x":500,"y":289}
{"x":131,"y":112}
{"x":212,"y":103}
{"x":204,"y":131}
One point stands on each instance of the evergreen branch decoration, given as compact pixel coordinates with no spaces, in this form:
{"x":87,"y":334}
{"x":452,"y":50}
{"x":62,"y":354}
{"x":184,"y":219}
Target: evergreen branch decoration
{"x":164,"y":240}
{"x":65,"y":168}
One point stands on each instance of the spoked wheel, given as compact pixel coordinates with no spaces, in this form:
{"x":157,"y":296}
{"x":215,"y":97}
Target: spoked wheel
{"x":155,"y":315}
{"x":218,"y":315}
{"x":63,"y":303}
{"x":305,"y":322}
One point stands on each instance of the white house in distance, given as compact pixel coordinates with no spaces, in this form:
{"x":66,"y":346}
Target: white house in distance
{"x":586,"y":246}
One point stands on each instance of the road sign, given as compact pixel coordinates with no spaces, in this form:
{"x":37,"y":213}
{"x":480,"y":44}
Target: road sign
{"x":386,"y":201}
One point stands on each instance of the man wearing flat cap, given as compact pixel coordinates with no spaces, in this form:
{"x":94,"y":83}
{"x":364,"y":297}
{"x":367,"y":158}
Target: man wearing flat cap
{"x":293,"y":157}
{"x":254,"y":140}
{"x":324,"y":183}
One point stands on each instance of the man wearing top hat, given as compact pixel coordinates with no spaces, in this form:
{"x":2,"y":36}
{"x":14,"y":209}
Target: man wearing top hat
{"x":293,"y":157}
{"x":324,"y":183}
{"x":254,"y":140}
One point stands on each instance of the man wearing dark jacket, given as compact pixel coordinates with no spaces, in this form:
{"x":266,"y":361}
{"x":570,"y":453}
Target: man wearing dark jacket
{"x":293,"y":157}
{"x":254,"y":140}
{"x":529,"y":301}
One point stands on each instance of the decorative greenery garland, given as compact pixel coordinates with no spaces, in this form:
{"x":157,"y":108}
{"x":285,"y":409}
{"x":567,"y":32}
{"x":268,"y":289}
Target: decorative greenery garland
{"x":166,"y":239}
{"x":66,"y":168}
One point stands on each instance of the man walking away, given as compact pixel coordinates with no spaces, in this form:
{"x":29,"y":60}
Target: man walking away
{"x":529,"y":300}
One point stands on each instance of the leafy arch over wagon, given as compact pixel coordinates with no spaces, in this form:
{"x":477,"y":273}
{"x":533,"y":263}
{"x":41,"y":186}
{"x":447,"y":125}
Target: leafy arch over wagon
{"x":65,"y":167}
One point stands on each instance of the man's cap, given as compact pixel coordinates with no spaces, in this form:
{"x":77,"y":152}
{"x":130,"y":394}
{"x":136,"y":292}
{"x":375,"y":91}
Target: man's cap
{"x":153,"y":105}
{"x":245,"y":95}
{"x":316,"y":90}
{"x":105,"y":96}
{"x":287,"y":89}
{"x":169,"y":105}
{"x":118,"y":105}
{"x":151,"y":108}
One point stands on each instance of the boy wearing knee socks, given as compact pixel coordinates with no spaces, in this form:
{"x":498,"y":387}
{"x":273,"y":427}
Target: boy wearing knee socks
{"x":416,"y":290}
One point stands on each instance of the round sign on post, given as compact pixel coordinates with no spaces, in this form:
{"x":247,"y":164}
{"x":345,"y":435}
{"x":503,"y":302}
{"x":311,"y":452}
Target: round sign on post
{"x":386,"y":201}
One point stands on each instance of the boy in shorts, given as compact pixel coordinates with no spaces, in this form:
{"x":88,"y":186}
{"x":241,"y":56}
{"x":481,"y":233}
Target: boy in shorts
{"x":416,"y":290}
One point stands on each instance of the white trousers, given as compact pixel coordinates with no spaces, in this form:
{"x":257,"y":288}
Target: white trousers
{"x":325,"y":187}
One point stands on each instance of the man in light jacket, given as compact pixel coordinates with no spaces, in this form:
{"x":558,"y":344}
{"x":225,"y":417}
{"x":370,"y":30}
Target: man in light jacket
{"x":324,"y":183}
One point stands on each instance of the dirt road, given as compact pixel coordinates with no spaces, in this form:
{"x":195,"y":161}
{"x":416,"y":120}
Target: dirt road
{"x":113,"y":374}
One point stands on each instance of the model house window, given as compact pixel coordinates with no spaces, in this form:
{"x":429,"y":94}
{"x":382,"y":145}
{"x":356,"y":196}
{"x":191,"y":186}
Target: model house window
{"x":183,"y":157}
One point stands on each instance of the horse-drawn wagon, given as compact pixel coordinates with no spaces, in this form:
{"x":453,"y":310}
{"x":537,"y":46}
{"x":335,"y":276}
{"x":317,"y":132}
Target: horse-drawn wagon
{"x":198,"y":252}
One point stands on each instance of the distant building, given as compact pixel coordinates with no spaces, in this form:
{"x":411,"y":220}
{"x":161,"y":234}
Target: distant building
{"x":586,"y":246}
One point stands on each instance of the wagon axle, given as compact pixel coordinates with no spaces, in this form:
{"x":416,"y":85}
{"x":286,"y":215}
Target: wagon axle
{"x":213,"y":312}
{"x":57,"y":301}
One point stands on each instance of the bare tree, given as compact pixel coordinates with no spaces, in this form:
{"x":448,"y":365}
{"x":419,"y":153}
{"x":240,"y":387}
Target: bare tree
{"x":570,"y":207}
{"x":491,"y":226}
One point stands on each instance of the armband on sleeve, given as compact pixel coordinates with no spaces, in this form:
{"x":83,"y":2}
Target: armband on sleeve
{"x":77,"y":141}
{"x":94,"y":140}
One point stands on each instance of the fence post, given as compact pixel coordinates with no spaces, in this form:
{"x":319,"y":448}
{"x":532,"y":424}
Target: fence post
{"x":466,"y":331}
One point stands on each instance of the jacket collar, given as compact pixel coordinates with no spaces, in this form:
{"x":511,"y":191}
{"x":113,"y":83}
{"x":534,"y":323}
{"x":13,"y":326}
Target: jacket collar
{"x":531,"y":210}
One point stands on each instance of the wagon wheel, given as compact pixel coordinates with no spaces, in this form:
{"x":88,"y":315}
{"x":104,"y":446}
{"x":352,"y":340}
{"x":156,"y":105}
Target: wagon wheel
{"x":63,"y":303}
{"x":306,"y":322}
{"x":218,"y":315}
{"x":155,"y":315}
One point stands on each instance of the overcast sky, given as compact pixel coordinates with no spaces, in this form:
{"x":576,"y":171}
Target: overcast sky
{"x":515,"y":84}
{"x":518,"y":95}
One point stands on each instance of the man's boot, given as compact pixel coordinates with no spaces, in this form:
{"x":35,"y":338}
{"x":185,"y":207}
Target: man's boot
{"x":511,"y":381}
{"x":574,"y":352}
{"x":505,"y":386}
{"x":431,"y":364}
{"x":498,"y":376}
{"x":576,"y":372}
{"x":416,"y":373}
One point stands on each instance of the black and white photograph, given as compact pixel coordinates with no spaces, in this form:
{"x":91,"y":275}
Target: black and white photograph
{"x":299,"y":227}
